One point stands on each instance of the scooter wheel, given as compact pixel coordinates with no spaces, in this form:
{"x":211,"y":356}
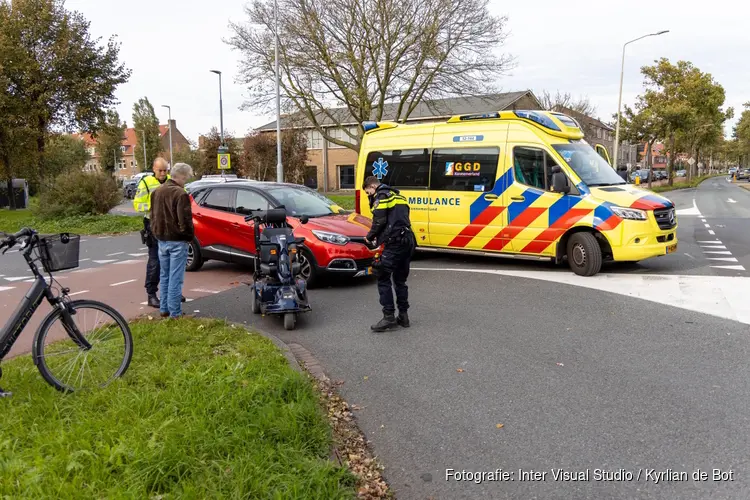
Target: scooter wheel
{"x":254,"y":302}
{"x":289,"y":321}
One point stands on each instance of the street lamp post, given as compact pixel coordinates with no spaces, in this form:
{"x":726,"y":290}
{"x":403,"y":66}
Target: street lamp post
{"x":221,"y":107}
{"x":145,"y":161}
{"x":279,"y":165}
{"x":170,"y":134}
{"x":619,"y":100}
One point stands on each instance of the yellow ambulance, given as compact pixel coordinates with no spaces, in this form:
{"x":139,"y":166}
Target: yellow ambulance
{"x":518,"y":183}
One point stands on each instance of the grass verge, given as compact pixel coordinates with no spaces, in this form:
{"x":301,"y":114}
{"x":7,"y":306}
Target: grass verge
{"x":13,"y":220}
{"x":681,"y":185}
{"x":206,"y":410}
{"x":343,"y":200}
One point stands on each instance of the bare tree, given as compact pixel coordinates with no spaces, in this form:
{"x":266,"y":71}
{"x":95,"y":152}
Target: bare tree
{"x":373,"y":59}
{"x":580,"y":105}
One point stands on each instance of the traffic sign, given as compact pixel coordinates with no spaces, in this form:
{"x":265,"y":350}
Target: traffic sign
{"x":224,"y":162}
{"x":223,"y":150}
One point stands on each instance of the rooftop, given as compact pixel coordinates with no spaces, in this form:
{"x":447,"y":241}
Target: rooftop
{"x":442,"y":108}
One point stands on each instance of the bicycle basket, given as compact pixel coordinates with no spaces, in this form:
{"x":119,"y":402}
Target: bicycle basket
{"x":59,"y":251}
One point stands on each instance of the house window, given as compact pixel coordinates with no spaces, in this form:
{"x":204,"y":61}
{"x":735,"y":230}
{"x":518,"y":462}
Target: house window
{"x":408,"y":168}
{"x":464,"y":169}
{"x":311,"y":177}
{"x":346,"y":176}
{"x":314,"y":139}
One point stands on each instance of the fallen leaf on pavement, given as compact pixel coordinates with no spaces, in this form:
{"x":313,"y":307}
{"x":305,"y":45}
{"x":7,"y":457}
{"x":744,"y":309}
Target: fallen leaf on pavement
{"x":150,"y":317}
{"x":356,"y":407}
{"x":460,"y":370}
{"x":366,"y":377}
{"x":560,"y":364}
{"x":499,"y":426}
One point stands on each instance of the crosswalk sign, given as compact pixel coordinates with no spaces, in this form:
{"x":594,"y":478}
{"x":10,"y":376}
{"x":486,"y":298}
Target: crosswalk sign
{"x":224,"y":162}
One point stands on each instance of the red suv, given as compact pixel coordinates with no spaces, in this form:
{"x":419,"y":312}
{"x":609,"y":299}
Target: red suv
{"x":334,"y":240}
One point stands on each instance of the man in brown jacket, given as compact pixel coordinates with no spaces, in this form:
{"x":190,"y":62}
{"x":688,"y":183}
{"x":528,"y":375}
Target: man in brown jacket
{"x":172,"y":226}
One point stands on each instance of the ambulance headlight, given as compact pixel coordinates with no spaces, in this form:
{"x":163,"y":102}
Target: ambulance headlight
{"x":629,"y":213}
{"x":335,"y":238}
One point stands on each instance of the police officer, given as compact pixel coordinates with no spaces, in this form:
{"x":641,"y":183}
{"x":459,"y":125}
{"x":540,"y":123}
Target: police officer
{"x":142,"y":204}
{"x":391,"y":226}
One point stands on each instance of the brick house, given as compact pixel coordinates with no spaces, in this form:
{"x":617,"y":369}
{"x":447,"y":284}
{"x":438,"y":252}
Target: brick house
{"x":595,"y":131}
{"x":129,"y":164}
{"x":331,"y":167}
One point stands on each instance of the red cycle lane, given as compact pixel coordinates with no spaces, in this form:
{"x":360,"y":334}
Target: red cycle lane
{"x":119,"y":285}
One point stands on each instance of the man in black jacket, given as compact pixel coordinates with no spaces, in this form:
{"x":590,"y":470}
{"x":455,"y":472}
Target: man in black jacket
{"x":391,"y":226}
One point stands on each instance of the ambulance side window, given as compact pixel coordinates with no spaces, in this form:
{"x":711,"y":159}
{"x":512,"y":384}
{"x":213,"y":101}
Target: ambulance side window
{"x":407,"y":168}
{"x":464,"y":169}
{"x":529,"y":167}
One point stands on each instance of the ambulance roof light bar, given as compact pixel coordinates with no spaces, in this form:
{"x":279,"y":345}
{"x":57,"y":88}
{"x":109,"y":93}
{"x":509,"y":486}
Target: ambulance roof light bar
{"x":542,"y":119}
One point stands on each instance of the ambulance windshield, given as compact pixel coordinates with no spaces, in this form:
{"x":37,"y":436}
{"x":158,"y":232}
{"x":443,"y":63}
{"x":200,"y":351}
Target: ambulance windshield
{"x":588,"y":164}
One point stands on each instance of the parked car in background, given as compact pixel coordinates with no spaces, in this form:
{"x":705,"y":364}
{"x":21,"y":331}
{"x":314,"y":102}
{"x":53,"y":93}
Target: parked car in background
{"x":642,"y":173}
{"x":681,"y":173}
{"x":334,"y":238}
{"x":743,"y":174}
{"x":130,"y":186}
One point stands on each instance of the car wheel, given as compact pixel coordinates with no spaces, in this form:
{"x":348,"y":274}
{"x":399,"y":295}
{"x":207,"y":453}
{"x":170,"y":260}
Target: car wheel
{"x":289,"y":321}
{"x":584,"y":254}
{"x":194,"y":257}
{"x":308,"y":270}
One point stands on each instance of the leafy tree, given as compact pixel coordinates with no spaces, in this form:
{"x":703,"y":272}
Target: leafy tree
{"x":190,"y":155}
{"x":368,"y":56}
{"x":259,"y":156}
{"x":109,"y":140}
{"x":683,"y":102}
{"x":640,"y":126}
{"x":64,"y":154}
{"x":69,"y":78}
{"x":210,"y":152}
{"x":145,"y":120}
{"x":741,"y":135}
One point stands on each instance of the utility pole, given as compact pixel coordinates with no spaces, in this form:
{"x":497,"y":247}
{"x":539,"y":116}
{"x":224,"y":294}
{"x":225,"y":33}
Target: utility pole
{"x":279,"y":165}
{"x":145,"y":161}
{"x":223,"y":148}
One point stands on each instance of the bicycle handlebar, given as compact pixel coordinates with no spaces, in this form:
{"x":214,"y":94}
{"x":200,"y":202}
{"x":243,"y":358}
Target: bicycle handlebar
{"x":11,"y":239}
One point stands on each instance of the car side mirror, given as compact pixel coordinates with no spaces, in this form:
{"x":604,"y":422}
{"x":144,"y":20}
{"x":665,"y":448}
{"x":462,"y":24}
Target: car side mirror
{"x":559,"y":181}
{"x":304,"y":219}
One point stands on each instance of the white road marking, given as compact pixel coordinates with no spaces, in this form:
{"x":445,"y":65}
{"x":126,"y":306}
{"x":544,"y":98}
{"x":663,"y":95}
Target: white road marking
{"x":711,"y":232}
{"x":706,"y":225}
{"x":104,"y":261}
{"x":143,"y":248}
{"x":122,"y":283}
{"x":733,"y":268}
{"x":78,"y":293}
{"x":131,"y":261}
{"x":141,"y":254}
{"x":113,"y":254}
{"x":5,"y":288}
{"x":714,"y":242}
{"x":103,"y":237}
{"x":722,"y":296}
{"x":186,"y":300}
{"x":703,"y":220}
{"x":719,"y":252}
{"x":84,"y":260}
{"x":204,"y":290}
{"x":714,"y":247}
{"x":17,"y":278}
{"x":730,"y":200}
{"x":724,"y":259}
{"x":690,"y":211}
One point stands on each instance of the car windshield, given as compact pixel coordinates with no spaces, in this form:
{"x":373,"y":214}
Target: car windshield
{"x":299,"y":202}
{"x":588,"y":164}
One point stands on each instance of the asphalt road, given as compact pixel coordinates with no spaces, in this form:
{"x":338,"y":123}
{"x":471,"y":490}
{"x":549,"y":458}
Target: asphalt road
{"x":581,"y":379}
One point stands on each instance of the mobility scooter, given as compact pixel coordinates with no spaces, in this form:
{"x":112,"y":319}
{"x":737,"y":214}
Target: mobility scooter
{"x":276,"y":288}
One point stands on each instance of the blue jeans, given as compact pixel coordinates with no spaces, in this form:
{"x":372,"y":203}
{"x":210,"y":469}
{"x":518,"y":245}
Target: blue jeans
{"x":172,"y":261}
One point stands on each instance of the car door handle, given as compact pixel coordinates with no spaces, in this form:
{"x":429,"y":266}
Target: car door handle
{"x":236,"y":224}
{"x":197,"y":215}
{"x":518,"y":198}
{"x":490,"y":197}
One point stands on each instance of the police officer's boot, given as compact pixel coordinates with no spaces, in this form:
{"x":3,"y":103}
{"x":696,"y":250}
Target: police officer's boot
{"x":153,"y":301}
{"x":403,"y":319}
{"x":388,"y":322}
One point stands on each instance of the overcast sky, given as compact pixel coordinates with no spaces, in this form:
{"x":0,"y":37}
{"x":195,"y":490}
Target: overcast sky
{"x":573,"y":46}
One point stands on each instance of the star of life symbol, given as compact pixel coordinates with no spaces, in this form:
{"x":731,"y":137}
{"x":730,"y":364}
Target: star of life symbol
{"x":380,"y":168}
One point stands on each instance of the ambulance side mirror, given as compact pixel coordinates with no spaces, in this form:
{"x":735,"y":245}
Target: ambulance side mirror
{"x":559,"y":180}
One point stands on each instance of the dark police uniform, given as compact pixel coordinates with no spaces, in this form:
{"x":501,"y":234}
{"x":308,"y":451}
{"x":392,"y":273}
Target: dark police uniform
{"x":391,"y":226}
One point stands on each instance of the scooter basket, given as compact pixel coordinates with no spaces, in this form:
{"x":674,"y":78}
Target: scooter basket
{"x":59,"y":252}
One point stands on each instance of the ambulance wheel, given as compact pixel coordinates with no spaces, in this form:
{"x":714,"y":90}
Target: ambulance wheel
{"x":584,"y":254}
{"x":289,"y":321}
{"x":254,"y":302}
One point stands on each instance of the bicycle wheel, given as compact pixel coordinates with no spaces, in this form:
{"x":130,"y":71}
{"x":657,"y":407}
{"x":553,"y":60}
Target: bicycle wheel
{"x":66,"y":365}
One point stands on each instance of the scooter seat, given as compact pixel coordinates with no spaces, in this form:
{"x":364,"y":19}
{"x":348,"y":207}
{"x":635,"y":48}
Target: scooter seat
{"x":269,"y":232}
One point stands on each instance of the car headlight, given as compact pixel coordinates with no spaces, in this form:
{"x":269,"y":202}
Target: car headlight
{"x":335,"y":238}
{"x":629,"y":213}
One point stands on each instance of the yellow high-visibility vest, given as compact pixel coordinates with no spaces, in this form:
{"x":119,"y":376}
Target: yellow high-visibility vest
{"x":146,"y":187}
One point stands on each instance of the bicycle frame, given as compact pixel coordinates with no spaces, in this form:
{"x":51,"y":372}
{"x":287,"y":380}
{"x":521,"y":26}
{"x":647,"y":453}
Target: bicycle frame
{"x":29,"y":305}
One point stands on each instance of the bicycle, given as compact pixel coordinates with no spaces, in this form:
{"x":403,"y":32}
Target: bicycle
{"x":57,"y":253}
